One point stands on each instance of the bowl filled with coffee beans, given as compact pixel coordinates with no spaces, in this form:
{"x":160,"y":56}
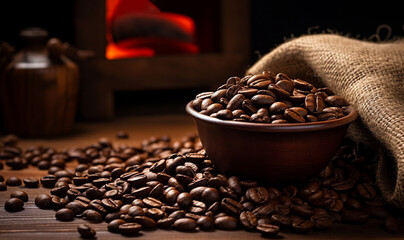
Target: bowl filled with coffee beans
{"x":270,"y":126}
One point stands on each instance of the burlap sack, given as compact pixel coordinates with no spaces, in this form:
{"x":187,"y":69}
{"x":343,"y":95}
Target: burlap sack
{"x":371,"y":77}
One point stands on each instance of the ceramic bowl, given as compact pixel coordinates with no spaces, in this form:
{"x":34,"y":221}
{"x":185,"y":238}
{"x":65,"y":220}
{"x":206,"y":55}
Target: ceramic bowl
{"x":273,"y":153}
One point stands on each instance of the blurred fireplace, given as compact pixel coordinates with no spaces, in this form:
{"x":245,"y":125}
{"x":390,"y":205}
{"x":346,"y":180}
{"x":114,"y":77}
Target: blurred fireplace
{"x":146,"y":45}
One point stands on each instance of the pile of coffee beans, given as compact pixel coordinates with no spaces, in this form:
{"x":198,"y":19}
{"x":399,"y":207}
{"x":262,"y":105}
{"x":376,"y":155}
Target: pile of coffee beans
{"x":173,"y":185}
{"x":270,"y":98}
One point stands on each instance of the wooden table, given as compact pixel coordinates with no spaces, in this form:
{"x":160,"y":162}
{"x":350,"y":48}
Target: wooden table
{"x":34,"y":223}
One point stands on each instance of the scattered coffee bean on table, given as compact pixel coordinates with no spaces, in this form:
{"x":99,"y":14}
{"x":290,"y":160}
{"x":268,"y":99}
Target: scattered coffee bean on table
{"x":14,"y":205}
{"x":43,"y":201}
{"x":14,"y":181}
{"x":271,"y":98}
{"x":173,"y":185}
{"x":86,"y":231}
{"x":20,"y":194}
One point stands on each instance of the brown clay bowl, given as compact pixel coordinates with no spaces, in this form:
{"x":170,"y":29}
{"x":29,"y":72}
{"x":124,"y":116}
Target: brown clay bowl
{"x":273,"y":153}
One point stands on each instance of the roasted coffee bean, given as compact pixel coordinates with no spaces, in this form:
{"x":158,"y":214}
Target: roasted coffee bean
{"x":48,"y":181}
{"x":264,"y":210}
{"x":13,"y":181}
{"x":76,"y":207}
{"x":207,"y":195}
{"x":205,"y":223}
{"x":129,"y":228}
{"x":231,"y":206}
{"x":248,"y":220}
{"x":92,"y":215}
{"x":58,"y":203}
{"x":155,"y":213}
{"x":314,"y":103}
{"x":236,"y":102}
{"x":3,"y":186}
{"x":232,"y":90}
{"x":303,"y":227}
{"x":300,"y":210}
{"x":216,"y":96}
{"x":294,"y":116}
{"x":257,"y":195}
{"x":366,"y":191}
{"x":14,"y":205}
{"x":321,"y":221}
{"x":165,"y":222}
{"x":65,"y":214}
{"x":280,"y":220}
{"x":43,"y":201}
{"x":262,"y":100}
{"x":335,"y":101}
{"x":248,"y":106}
{"x":268,"y":230}
{"x":146,"y":222}
{"x":20,"y":194}
{"x":185,"y":224}
{"x":184,"y":200}
{"x":86,"y":231}
{"x":110,"y":204}
{"x":31,"y":182}
{"x":226,"y":223}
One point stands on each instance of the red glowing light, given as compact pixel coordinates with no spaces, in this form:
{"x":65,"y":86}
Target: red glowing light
{"x":139,"y":12}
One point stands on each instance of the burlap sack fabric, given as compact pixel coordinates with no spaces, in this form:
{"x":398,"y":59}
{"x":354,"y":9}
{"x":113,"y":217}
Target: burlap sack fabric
{"x":371,"y":77}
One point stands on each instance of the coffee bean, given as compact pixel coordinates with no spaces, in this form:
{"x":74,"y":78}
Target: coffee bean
{"x":92,"y":215}
{"x":264,"y":210}
{"x":146,"y":222}
{"x":136,"y":211}
{"x":248,"y":220}
{"x":268,"y":230}
{"x":321,"y":221}
{"x":155,"y":213}
{"x":226,"y":223}
{"x":165,"y":222}
{"x":294,"y":116}
{"x":257,"y":195}
{"x":205,"y":223}
{"x":13,"y":181}
{"x":43,"y":201}
{"x":129,"y":228}
{"x":14,"y":205}
{"x":184,"y":200}
{"x":31,"y":182}
{"x":185,"y":224}
{"x":303,"y":226}
{"x":3,"y":186}
{"x":280,"y":220}
{"x":262,"y":100}
{"x":48,"y":181}
{"x":58,"y":203}
{"x":231,"y":206}
{"x":366,"y":191}
{"x":86,"y":231}
{"x":20,"y":194}
{"x":65,"y":214}
{"x":76,"y":207}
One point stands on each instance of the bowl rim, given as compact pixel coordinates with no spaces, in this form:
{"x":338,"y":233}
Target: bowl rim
{"x":274,"y":127}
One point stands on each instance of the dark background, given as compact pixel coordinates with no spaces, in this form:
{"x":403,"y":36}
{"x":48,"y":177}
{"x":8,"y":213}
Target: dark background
{"x":271,"y":23}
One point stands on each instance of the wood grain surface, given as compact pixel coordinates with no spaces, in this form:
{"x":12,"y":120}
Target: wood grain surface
{"x":34,"y":223}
